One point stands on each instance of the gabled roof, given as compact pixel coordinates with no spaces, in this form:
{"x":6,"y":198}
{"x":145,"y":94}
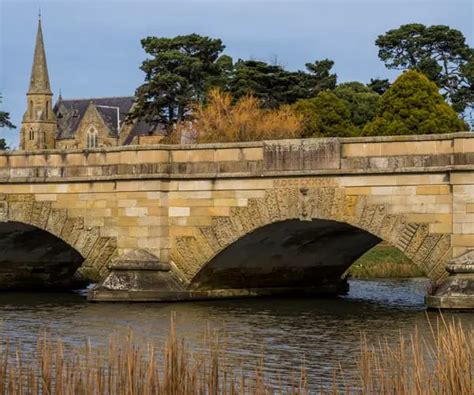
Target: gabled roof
{"x":69,"y":113}
{"x":113,"y":110}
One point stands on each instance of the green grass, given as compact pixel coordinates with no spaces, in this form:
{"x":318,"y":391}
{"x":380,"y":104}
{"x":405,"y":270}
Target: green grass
{"x":384,"y":261}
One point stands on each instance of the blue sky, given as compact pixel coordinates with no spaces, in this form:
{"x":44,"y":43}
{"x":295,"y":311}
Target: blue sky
{"x":93,"y":47}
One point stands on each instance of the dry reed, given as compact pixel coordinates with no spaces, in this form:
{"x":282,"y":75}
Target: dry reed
{"x":441,"y":364}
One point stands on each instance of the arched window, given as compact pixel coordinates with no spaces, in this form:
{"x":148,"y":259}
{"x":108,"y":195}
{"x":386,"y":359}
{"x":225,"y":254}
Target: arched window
{"x":31,"y":134}
{"x":92,"y":138}
{"x":31,"y":109}
{"x":47,"y":109}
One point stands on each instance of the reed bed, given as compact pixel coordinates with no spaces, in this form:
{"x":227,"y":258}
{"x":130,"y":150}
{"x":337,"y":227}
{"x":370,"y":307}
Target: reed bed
{"x":439,"y":364}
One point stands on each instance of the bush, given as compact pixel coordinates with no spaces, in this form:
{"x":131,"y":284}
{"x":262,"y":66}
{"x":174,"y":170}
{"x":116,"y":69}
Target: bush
{"x":413,"y":105}
{"x":325,"y":115}
{"x":221,"y":121}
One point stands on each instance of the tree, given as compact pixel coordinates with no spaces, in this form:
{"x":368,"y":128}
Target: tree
{"x":5,"y":123}
{"x":378,"y":85}
{"x":268,"y":83}
{"x":275,"y":86}
{"x":361,"y":101}
{"x":221,"y":119}
{"x":413,"y":105}
{"x":437,"y":51}
{"x":176,"y":75}
{"x":464,"y":97}
{"x":325,"y":115}
{"x":320,"y":77}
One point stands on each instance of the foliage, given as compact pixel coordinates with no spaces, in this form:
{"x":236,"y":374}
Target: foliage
{"x":274,"y":85}
{"x":325,"y":115}
{"x":464,"y":97}
{"x":384,"y":261}
{"x":361,"y":101}
{"x":413,"y":105}
{"x":378,"y":85}
{"x":437,"y":51}
{"x":177,"y":74}
{"x":5,"y":123}
{"x":219,"y":120}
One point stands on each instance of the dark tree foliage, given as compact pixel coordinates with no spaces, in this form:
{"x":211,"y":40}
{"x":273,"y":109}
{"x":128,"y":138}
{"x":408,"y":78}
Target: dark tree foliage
{"x":378,"y":85}
{"x":269,"y":83}
{"x":5,"y":123}
{"x":413,"y":105}
{"x":176,"y":75}
{"x":437,"y":51}
{"x":320,"y":77}
{"x":325,"y":115}
{"x":361,"y":101}
{"x":275,"y":86}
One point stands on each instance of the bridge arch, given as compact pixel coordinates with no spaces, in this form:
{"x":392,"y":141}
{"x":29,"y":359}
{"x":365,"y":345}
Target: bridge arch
{"x":24,"y":212}
{"x":326,"y":212}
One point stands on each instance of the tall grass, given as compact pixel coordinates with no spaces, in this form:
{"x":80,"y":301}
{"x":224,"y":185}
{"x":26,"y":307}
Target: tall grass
{"x":384,"y":261}
{"x":441,"y":364}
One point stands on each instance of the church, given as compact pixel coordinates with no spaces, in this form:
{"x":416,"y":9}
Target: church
{"x":77,"y":123}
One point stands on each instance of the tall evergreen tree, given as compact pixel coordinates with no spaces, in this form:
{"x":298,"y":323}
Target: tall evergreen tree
{"x":437,"y":51}
{"x":176,"y":75}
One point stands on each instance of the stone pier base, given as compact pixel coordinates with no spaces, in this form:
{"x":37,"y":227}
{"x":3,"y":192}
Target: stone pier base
{"x":139,"y":277}
{"x":456,"y":291}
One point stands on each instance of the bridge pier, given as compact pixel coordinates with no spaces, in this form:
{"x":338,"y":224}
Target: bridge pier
{"x":139,"y":276}
{"x":457,"y":290}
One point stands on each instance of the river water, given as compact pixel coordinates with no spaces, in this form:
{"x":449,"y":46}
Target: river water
{"x":321,"y":332}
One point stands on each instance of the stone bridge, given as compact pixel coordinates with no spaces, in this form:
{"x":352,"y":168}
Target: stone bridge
{"x":171,"y":222}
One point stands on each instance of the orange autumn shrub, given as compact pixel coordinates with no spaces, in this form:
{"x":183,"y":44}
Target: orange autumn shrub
{"x":220,"y":120}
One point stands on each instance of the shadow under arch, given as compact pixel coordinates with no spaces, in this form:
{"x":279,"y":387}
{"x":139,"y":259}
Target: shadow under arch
{"x":290,"y":253}
{"x":33,"y":258}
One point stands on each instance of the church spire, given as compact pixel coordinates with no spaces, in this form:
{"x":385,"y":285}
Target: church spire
{"x":39,"y":81}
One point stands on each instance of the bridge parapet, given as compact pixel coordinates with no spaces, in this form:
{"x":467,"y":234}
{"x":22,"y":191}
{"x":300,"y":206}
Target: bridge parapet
{"x":323,"y":156}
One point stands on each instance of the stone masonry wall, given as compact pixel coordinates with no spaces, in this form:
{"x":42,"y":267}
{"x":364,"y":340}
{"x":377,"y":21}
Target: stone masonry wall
{"x":187,"y":203}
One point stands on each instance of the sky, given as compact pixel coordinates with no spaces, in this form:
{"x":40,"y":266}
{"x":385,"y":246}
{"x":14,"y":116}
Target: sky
{"x":93,"y":46}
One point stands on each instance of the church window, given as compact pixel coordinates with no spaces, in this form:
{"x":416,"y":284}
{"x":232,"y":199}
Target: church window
{"x":31,"y":108}
{"x":92,"y":138}
{"x":31,"y":134}
{"x":47,"y":109}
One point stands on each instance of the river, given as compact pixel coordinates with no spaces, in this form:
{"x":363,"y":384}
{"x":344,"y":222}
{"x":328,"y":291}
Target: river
{"x":322,"y":332}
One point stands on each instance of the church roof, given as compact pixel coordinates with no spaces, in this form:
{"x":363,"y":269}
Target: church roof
{"x":113,"y":111}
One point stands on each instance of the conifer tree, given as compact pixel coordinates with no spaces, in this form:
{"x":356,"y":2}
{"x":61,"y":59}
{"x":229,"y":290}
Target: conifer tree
{"x":413,"y":105}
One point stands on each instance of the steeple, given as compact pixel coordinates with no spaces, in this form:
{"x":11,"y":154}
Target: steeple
{"x":38,"y":129}
{"x":39,"y":81}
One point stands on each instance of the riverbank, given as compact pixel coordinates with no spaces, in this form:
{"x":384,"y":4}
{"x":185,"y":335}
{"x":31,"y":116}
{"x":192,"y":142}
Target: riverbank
{"x":384,"y":261}
{"x":442,"y":364}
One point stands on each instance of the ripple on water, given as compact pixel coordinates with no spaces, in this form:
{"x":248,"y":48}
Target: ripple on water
{"x":322,"y":332}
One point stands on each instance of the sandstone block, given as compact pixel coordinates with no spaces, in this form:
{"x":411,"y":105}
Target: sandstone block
{"x":179,"y":211}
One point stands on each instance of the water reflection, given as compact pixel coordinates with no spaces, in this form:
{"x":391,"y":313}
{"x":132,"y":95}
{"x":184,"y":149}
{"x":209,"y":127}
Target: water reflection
{"x":323,"y":332}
